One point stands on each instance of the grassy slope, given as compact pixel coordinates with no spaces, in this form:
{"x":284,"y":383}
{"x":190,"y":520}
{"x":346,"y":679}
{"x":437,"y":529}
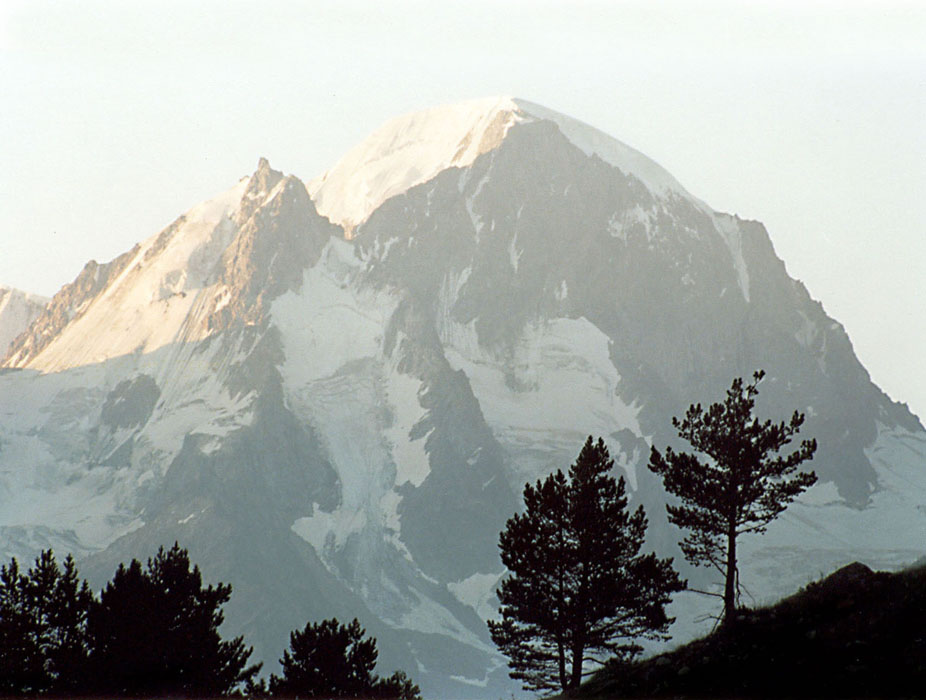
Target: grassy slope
{"x":856,"y":633}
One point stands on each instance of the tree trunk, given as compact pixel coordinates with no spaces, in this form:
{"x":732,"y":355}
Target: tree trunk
{"x":563,"y":678}
{"x":729,"y":592}
{"x":578,"y":651}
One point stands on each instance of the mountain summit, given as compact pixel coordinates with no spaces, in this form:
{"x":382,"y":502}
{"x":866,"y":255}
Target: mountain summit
{"x":333,"y":394}
{"x":412,"y":149}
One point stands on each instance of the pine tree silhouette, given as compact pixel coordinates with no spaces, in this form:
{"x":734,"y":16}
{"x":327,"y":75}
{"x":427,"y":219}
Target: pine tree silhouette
{"x":43,"y":628}
{"x":331,"y":660}
{"x":155,"y":632}
{"x":578,"y":586}
{"x":741,"y":488}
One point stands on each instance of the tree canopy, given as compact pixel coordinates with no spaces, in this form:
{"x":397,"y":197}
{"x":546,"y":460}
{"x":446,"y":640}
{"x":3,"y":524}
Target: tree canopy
{"x":330,"y":660}
{"x":155,"y":632}
{"x":43,"y":631}
{"x":152,"y":632}
{"x":740,"y":488}
{"x":578,"y":586}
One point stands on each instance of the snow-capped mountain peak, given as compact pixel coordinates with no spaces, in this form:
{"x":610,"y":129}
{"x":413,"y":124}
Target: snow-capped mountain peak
{"x":136,"y":303}
{"x":264,"y":180}
{"x":407,"y":151}
{"x":609,"y":149}
{"x":413,"y":148}
{"x":341,"y":424}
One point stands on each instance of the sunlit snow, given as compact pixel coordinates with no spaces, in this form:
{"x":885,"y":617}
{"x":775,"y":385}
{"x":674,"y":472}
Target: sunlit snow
{"x":149,"y":304}
{"x":412,"y":149}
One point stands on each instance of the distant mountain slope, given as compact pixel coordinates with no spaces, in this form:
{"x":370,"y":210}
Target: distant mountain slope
{"x":338,"y":418}
{"x":854,"y":634}
{"x":17,"y":310}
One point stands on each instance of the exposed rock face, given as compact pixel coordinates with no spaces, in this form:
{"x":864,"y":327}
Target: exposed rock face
{"x":338,"y":418}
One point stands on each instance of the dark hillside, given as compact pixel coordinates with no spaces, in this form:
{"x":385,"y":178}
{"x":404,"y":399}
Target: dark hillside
{"x":856,"y":633}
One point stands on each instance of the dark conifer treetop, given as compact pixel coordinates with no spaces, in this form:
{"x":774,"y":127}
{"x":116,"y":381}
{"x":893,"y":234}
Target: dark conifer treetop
{"x":155,"y":632}
{"x":43,"y":633}
{"x":330,"y":660}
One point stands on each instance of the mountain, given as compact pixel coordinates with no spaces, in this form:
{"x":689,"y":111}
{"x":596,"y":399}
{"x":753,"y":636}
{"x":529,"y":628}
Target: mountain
{"x":17,"y":310}
{"x":333,"y":394}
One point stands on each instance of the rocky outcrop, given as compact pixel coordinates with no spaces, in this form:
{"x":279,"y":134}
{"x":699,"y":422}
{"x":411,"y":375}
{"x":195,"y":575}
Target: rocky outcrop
{"x":279,"y":235}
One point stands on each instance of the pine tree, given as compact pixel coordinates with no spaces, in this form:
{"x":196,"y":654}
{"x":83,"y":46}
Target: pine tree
{"x":331,"y":660}
{"x":60,"y":603}
{"x":43,"y":627}
{"x":69,"y":650}
{"x":22,"y":667}
{"x":740,"y":488}
{"x":578,"y":586}
{"x":398,"y":686}
{"x":155,"y":632}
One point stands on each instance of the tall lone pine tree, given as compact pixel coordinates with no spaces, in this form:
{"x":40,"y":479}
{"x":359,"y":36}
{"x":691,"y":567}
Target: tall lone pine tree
{"x":578,"y":584}
{"x":741,"y":488}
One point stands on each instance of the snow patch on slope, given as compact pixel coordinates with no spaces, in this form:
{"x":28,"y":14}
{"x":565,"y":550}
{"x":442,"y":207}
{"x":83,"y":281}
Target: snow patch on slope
{"x":403,"y":395}
{"x":430,"y":617}
{"x":83,"y":481}
{"x":729,"y":229}
{"x":329,"y":322}
{"x":44,"y":476}
{"x":555,"y":387}
{"x":213,"y":414}
{"x":478,"y":592}
{"x":808,"y":332}
{"x":337,"y":379}
{"x":619,"y":226}
{"x":332,"y":335}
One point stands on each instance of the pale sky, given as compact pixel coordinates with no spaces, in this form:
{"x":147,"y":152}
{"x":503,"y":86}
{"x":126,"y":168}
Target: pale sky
{"x":115,"y":117}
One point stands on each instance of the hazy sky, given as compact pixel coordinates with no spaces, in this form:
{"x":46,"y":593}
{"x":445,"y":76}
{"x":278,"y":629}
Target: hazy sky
{"x":117,"y":116}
